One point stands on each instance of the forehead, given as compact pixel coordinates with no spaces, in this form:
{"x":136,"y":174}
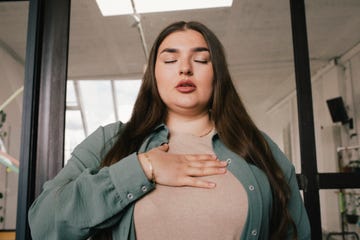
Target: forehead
{"x":183,"y":39}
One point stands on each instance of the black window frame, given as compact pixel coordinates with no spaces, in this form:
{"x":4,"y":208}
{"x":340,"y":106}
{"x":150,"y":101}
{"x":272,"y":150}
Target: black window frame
{"x":42,"y":106}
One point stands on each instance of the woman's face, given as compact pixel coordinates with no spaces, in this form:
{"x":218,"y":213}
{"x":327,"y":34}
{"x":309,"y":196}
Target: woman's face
{"x":184,"y":72}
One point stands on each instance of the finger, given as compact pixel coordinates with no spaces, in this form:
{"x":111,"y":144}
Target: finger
{"x":197,"y":157}
{"x":207,"y":163}
{"x":196,"y":182}
{"x":204,"y":171}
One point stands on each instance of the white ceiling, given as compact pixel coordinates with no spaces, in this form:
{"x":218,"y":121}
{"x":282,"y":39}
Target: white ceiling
{"x":256,"y":35}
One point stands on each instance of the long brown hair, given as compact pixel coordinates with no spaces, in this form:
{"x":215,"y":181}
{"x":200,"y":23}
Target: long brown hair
{"x":232,"y":122}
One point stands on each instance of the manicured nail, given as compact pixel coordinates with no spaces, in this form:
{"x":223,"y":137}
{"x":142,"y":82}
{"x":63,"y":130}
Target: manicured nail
{"x":212,"y":185}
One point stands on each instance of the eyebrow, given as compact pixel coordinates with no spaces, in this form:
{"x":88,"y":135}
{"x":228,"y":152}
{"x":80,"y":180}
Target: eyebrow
{"x":175,"y":50}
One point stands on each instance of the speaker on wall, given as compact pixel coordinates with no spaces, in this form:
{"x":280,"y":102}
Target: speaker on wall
{"x":338,"y":111}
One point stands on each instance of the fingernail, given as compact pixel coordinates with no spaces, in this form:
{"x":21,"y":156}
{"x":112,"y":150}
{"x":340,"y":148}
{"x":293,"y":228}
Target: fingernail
{"x":212,"y":185}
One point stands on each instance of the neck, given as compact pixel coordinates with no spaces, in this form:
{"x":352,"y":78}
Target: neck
{"x":198,"y":125}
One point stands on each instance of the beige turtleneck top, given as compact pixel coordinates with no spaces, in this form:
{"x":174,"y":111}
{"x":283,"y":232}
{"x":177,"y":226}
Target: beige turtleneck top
{"x":193,"y":213}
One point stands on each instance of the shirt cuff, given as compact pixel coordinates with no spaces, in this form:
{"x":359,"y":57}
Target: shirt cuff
{"x":129,"y":179}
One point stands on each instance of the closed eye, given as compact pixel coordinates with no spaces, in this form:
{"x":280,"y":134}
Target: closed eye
{"x":169,"y":61}
{"x":201,"y":61}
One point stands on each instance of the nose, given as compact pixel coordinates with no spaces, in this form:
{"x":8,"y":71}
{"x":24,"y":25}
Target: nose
{"x":186,"y":68}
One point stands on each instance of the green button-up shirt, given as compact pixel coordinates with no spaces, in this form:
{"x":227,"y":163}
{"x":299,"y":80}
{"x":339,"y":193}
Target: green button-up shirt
{"x":82,"y":198}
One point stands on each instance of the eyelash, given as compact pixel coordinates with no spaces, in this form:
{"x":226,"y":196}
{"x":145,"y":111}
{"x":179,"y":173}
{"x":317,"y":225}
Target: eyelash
{"x":170,"y":61}
{"x":197,"y":61}
{"x":201,"y":61}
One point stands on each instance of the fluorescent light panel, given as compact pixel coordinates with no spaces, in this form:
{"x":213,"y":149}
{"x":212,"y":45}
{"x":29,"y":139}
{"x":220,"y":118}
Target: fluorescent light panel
{"x":121,"y":7}
{"x":114,"y":7}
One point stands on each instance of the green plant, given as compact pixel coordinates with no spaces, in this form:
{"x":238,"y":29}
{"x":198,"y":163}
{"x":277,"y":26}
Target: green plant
{"x":351,"y":208}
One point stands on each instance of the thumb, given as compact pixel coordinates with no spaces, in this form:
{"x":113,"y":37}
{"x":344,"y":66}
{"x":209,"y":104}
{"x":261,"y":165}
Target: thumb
{"x":164,"y":147}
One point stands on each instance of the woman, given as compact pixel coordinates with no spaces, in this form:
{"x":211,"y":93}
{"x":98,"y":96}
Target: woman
{"x":190,"y":163}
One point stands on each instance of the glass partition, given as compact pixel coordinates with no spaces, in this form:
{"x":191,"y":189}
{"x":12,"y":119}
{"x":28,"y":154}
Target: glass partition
{"x":256,"y":36}
{"x":13,"y":29}
{"x":334,"y":48}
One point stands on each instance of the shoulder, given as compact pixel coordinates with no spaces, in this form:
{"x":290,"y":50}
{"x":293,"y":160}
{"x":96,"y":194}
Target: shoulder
{"x":100,"y":141}
{"x":112,"y":130}
{"x":103,"y":134}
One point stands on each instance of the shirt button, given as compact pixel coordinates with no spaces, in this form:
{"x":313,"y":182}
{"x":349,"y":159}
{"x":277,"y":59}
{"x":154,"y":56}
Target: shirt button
{"x":130,"y":196}
{"x":254,"y":232}
{"x":228,"y":161}
{"x":144,"y":188}
{"x":251,"y":188}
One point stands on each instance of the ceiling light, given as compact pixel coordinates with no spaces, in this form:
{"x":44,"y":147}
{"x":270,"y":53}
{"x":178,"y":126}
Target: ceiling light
{"x":115,"y":7}
{"x":121,"y":7}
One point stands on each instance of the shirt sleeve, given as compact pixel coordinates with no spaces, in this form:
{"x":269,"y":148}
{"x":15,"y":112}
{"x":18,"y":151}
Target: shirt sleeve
{"x":83,"y":198}
{"x":296,"y":206}
{"x":297,"y":209}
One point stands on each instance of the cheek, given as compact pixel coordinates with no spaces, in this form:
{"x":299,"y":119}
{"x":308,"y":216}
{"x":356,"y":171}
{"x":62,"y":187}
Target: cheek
{"x":210,"y":83}
{"x":209,"y":78}
{"x":160,"y":73}
{"x":161,"y":82}
{"x":158,"y":76}
{"x":164,"y":77}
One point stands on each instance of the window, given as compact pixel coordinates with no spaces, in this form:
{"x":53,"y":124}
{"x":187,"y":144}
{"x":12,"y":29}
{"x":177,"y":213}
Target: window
{"x":92,"y":103}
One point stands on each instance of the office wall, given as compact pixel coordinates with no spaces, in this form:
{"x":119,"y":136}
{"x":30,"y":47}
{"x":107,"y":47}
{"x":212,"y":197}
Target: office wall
{"x":337,"y":78}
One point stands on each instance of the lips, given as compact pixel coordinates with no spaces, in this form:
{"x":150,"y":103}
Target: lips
{"x":186,"y":86}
